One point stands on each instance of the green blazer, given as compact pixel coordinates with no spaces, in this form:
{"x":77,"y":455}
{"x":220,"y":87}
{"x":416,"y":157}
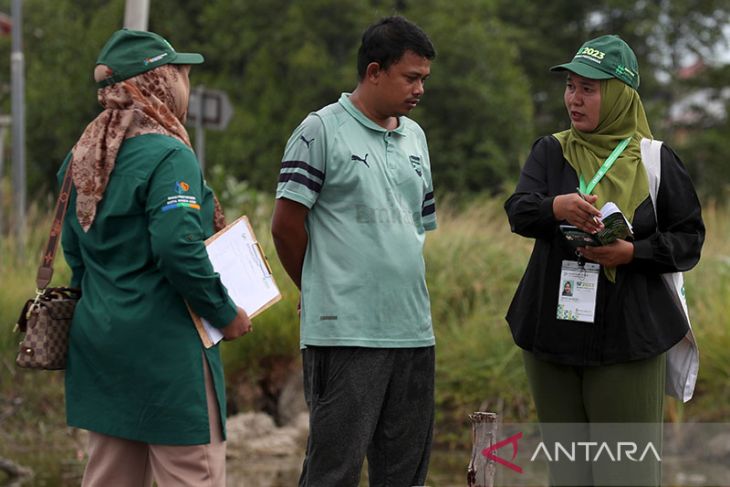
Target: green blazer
{"x":135,"y":361}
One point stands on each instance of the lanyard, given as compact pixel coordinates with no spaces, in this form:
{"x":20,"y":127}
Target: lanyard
{"x":604,"y":168}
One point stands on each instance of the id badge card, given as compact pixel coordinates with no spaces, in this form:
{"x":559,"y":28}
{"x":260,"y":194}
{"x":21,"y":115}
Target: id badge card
{"x":578,"y":291}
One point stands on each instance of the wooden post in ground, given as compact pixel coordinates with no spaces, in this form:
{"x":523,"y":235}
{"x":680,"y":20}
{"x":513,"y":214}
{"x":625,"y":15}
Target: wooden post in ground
{"x":484,"y":433}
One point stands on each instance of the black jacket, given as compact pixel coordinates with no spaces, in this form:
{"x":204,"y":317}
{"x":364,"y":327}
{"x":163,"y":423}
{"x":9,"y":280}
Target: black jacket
{"x":636,"y":317}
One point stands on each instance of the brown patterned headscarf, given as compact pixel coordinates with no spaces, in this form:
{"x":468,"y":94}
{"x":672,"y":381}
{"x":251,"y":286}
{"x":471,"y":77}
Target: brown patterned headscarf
{"x":154,"y":102}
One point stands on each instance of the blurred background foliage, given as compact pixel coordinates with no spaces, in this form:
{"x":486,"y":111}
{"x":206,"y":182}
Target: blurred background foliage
{"x":490,"y":94}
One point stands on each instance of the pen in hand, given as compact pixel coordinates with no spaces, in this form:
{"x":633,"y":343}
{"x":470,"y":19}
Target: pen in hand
{"x":583,"y":197}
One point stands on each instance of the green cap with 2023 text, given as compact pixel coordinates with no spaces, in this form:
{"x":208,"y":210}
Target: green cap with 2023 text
{"x":132,"y":52}
{"x":604,"y":57}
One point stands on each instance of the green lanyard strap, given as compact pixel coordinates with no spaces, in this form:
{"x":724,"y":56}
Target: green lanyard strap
{"x":604,"y":168}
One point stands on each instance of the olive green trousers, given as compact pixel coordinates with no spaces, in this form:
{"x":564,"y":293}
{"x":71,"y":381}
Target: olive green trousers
{"x":596,"y":404}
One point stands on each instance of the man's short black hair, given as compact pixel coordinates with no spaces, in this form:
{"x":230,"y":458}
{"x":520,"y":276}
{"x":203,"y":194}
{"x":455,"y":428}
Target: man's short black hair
{"x":385,"y":41}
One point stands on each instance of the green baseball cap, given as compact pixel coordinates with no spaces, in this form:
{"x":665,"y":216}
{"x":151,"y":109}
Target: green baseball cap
{"x":131,"y":52}
{"x":605,"y":57}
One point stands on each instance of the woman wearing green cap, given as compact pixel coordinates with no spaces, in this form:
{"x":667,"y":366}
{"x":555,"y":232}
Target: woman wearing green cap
{"x":138,"y":377}
{"x":598,"y":356}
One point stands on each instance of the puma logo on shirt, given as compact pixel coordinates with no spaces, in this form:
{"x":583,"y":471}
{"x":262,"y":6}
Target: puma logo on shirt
{"x":361,"y":159}
{"x":304,"y":139}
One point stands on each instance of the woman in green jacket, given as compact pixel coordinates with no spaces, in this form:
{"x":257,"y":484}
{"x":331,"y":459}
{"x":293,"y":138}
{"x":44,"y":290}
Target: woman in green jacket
{"x":138,"y":377}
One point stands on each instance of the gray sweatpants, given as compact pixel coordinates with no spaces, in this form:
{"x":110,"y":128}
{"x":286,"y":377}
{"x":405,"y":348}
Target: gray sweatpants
{"x":377,"y":402}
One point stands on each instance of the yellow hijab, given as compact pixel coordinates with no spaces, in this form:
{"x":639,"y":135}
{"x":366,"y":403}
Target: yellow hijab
{"x":622,"y":116}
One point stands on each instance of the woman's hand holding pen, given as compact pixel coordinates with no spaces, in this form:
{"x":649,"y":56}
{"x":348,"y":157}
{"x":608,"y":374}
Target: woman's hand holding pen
{"x":577,"y":209}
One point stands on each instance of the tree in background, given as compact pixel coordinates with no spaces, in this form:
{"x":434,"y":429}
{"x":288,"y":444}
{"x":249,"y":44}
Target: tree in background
{"x":278,"y":60}
{"x":666,"y":35}
{"x":477,"y":109}
{"x":703,"y":135}
{"x":489,"y":94}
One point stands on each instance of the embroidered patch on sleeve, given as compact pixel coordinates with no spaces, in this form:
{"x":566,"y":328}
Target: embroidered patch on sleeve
{"x":181,"y":200}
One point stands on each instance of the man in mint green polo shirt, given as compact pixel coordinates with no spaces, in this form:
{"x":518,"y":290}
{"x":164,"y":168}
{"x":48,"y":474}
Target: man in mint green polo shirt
{"x":354,"y":201}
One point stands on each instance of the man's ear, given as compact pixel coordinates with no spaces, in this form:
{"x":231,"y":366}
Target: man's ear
{"x":373,"y":72}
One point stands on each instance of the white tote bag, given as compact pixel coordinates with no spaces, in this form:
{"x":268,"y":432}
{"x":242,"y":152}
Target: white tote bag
{"x":683,"y":359}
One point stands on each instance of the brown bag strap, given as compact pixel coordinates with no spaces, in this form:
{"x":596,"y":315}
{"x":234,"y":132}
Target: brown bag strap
{"x":45,"y":270}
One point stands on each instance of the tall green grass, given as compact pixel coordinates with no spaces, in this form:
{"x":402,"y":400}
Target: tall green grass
{"x":31,"y":403}
{"x":473,"y":265}
{"x":708,"y":295}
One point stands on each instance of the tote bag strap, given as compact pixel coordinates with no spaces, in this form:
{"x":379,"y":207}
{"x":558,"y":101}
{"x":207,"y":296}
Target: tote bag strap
{"x":683,"y":358}
{"x":651,"y":156}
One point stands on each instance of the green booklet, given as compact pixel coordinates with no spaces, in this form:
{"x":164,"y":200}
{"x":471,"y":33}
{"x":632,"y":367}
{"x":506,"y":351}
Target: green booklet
{"x":616,"y":226}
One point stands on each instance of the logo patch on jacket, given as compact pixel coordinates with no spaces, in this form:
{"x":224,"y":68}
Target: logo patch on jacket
{"x":180,"y":200}
{"x":181,"y":187}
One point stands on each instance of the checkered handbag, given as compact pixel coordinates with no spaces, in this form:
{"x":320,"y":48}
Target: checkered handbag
{"x":46,"y":322}
{"x":46,"y":319}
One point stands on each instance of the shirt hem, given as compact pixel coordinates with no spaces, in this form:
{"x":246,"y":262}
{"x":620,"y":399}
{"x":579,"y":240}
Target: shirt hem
{"x":360,"y":342}
{"x":156,"y":438}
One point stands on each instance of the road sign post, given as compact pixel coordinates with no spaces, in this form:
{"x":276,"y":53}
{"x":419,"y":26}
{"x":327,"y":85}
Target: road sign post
{"x":207,"y":109}
{"x":196,"y":101}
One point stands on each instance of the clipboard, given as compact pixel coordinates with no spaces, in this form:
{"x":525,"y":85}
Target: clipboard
{"x":239,"y":259}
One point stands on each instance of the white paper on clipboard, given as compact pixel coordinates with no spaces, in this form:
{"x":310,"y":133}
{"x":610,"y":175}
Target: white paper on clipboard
{"x":239,"y":259}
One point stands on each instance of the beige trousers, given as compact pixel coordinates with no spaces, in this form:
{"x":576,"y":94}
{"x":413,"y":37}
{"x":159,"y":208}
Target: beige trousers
{"x":116,"y":462}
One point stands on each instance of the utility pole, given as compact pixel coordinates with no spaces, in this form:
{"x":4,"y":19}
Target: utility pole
{"x":4,"y":124}
{"x":136,"y":14}
{"x":17,"y":73}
